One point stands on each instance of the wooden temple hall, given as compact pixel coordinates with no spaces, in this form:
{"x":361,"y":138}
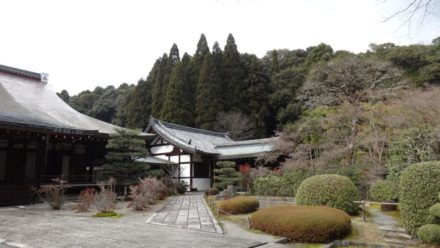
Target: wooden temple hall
{"x":41,"y":137}
{"x":195,"y":151}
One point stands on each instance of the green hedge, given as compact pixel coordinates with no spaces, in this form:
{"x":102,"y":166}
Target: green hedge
{"x":429,"y":233}
{"x":329,"y":190}
{"x":285,"y":185}
{"x":419,"y":187}
{"x":239,"y":205}
{"x":383,"y":191}
{"x":303,"y":223}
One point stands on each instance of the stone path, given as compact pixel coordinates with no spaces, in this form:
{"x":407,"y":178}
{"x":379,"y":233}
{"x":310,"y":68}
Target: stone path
{"x":393,"y":233}
{"x":188,"y":211}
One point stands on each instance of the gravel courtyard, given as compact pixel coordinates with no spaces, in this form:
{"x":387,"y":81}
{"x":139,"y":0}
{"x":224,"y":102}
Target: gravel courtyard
{"x":37,"y":226}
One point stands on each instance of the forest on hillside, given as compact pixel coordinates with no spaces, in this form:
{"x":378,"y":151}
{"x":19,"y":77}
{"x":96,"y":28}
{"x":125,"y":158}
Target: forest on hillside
{"x":225,"y":90}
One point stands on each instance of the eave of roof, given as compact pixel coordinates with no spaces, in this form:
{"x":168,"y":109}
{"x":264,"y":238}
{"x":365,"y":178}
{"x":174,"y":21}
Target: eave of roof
{"x":20,"y":72}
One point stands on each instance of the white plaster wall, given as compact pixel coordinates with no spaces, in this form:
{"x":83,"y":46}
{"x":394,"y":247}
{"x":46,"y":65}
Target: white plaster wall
{"x":201,"y":183}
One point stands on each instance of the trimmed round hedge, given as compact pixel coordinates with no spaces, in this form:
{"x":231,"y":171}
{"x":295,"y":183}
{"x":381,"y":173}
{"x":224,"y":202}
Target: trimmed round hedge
{"x":419,"y":187}
{"x":239,"y":205}
{"x":383,"y":191}
{"x":429,"y":233}
{"x":329,"y":190}
{"x":315,"y":224}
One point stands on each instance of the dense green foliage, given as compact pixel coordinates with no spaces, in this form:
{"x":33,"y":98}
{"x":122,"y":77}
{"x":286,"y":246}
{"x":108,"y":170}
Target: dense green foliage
{"x":383,"y":191}
{"x":303,"y":223}
{"x":429,"y":233}
{"x":124,"y":147}
{"x":239,"y":205}
{"x":284,"y":185}
{"x":329,"y":190}
{"x":419,"y":190}
{"x":226,"y":174}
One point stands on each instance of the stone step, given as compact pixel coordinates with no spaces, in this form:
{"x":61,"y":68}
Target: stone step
{"x":397,"y":235}
{"x":393,"y":229}
{"x":405,"y":243}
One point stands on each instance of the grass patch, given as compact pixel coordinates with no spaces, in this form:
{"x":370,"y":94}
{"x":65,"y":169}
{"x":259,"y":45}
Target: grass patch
{"x":113,"y":215}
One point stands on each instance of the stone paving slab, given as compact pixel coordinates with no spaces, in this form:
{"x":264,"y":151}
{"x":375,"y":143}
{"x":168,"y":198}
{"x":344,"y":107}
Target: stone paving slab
{"x":187,"y":211}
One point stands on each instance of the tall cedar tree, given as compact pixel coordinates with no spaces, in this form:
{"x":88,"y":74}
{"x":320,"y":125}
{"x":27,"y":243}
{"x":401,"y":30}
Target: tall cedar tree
{"x":199,"y":56}
{"x":159,"y":86}
{"x":234,"y":97}
{"x":257,"y":95}
{"x":178,"y":107}
{"x":140,"y":103}
{"x":208,"y":101}
{"x":124,"y":147}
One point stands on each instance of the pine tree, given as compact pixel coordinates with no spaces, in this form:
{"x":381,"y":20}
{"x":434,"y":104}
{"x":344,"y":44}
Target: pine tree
{"x":233,"y":77}
{"x":178,"y":106}
{"x":208,"y":101}
{"x":226,"y":174}
{"x":124,"y":147}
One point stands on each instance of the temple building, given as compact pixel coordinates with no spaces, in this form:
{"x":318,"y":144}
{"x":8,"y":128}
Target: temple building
{"x":41,"y":137}
{"x":196,"y":151}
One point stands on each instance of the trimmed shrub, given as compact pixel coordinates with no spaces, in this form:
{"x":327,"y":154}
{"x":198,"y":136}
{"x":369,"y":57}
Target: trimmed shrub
{"x":419,"y":187}
{"x":285,"y":185}
{"x":429,"y":233}
{"x":239,"y":205}
{"x":384,"y":191}
{"x":315,"y":224}
{"x":435,"y":210}
{"x":329,"y":190}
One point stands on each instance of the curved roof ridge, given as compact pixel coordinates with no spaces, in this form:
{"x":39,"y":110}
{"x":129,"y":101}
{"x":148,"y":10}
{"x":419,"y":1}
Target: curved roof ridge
{"x":249,"y":142}
{"x":191,"y":129}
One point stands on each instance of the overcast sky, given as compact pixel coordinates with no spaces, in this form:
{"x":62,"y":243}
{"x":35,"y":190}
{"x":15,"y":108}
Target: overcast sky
{"x":84,"y":44}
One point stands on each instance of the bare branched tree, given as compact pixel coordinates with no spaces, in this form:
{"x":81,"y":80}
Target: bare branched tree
{"x":237,"y":125}
{"x":415,"y":11}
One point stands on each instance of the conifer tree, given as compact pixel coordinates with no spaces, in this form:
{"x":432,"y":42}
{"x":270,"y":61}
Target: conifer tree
{"x":140,"y":102}
{"x":208,"y":101}
{"x":159,"y":86}
{"x":199,"y":56}
{"x":233,"y":77}
{"x":124,"y":147}
{"x":257,"y":96}
{"x":178,"y":107}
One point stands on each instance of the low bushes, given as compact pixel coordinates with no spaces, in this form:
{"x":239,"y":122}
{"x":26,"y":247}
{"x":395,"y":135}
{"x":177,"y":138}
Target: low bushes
{"x":329,"y":190}
{"x":383,"y":191}
{"x":53,"y":193}
{"x":85,"y":200}
{"x":212,"y":191}
{"x":419,"y":188}
{"x":303,"y":223}
{"x":239,"y":205}
{"x":147,"y":192}
{"x":285,"y":185}
{"x":429,"y":233}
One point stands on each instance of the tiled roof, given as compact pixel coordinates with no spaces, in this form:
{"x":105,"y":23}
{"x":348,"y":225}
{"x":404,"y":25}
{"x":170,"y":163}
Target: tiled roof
{"x":26,"y":103}
{"x":196,"y":140}
{"x":20,"y":72}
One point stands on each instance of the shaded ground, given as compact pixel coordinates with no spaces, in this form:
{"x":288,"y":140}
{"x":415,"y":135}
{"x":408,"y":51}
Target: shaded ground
{"x":36,"y":226}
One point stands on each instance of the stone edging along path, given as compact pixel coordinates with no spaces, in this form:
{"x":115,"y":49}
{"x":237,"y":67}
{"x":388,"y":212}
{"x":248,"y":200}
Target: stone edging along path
{"x":188,"y":211}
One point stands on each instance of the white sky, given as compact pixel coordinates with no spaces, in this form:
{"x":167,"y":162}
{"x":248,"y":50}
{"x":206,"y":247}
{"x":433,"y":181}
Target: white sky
{"x":86,"y":43}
